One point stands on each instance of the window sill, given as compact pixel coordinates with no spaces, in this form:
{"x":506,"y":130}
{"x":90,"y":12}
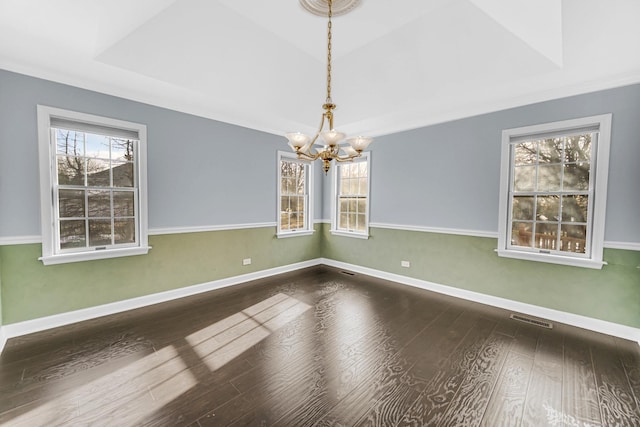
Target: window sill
{"x":294,"y":234}
{"x":93,"y":255}
{"x":553,"y":259}
{"x":354,"y":234}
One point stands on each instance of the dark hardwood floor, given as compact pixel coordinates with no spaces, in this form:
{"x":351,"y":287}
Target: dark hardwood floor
{"x":318,"y":347}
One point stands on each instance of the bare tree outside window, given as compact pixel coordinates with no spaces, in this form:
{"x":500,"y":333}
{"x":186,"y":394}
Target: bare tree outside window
{"x":550,"y":201}
{"x":292,"y":195}
{"x":96,"y":189}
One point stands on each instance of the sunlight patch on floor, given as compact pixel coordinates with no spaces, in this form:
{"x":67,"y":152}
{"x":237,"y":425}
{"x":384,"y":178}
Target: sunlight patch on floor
{"x":559,"y":418}
{"x":127,"y":396}
{"x":149,"y":382}
{"x":223,"y":341}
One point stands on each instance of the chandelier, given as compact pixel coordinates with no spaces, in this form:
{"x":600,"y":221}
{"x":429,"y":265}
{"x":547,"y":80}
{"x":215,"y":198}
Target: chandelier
{"x":335,"y":146}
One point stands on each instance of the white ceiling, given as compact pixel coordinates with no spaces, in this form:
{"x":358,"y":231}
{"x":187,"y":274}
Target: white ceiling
{"x":261,"y":64}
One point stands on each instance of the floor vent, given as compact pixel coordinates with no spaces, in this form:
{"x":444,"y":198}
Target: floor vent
{"x":348,"y":273}
{"x":531,"y":321}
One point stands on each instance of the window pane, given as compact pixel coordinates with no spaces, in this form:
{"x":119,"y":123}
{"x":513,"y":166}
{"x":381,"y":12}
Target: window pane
{"x":521,"y":234}
{"x":123,"y":203}
{"x":97,"y":146}
{"x":98,"y":173}
{"x":69,"y":143}
{"x":344,"y":186}
{"x":99,"y":203}
{"x":575,"y":208}
{"x":284,"y":220}
{"x":523,"y":208}
{"x":354,"y":186}
{"x":284,"y":169}
{"x":351,"y":218}
{"x":549,"y":177}
{"x":122,"y":149}
{"x":550,"y":150}
{"x":524,"y":178}
{"x":360,"y":226}
{"x":578,"y":148}
{"x":548,"y":208}
{"x":125,"y":231}
{"x":284,"y":203}
{"x":71,"y":203}
{"x":362,"y":206}
{"x":363,"y":186}
{"x":342,"y":223}
{"x":71,"y":170}
{"x":293,"y":221}
{"x":345,"y":171}
{"x":525,"y":153}
{"x":122,"y":174}
{"x":300,"y":207}
{"x":298,"y":220}
{"x":546,"y":236}
{"x":99,"y":232}
{"x":573,"y":238}
{"x":576,"y":177}
{"x":362,"y":169}
{"x":72,"y":234}
{"x":353,"y":205}
{"x":300,"y":181}
{"x":344,"y":205}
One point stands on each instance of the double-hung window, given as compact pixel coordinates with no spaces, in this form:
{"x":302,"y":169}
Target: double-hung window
{"x":351,"y":198}
{"x":294,"y":196}
{"x":93,"y":186}
{"x":553,"y":191}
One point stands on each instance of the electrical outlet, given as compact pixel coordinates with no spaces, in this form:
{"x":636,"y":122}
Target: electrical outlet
{"x":246,"y":261}
{"x":405,"y":264}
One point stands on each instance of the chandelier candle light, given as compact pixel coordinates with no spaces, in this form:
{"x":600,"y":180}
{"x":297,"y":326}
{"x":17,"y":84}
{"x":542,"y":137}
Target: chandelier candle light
{"x":332,"y":150}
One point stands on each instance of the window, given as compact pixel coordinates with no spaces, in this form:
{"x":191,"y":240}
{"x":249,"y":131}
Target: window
{"x":294,"y":200}
{"x":351,"y":202}
{"x":553,"y":191}
{"x":93,"y":186}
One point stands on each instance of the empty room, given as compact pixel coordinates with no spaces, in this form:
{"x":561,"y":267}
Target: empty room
{"x":319,"y":213}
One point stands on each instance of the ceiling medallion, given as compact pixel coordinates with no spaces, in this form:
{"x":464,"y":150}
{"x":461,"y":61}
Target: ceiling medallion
{"x":321,"y":7}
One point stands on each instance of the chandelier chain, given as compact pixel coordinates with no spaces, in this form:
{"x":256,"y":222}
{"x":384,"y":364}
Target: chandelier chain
{"x":329,"y":101}
{"x":303,"y":145}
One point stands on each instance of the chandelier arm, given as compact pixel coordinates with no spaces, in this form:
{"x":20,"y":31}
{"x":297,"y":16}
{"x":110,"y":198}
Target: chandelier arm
{"x":307,"y":156}
{"x":315,"y":138}
{"x":347,"y":158}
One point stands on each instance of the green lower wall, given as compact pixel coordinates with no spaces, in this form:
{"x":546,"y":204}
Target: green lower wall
{"x":611,"y":294}
{"x":31,"y":290}
{"x":1,"y":322}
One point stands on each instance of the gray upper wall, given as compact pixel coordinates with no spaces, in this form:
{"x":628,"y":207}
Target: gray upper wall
{"x":200,"y":172}
{"x":447,"y":175}
{"x":207,"y":173}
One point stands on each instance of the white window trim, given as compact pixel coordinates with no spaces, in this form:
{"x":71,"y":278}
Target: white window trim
{"x":47,"y":215}
{"x":601,"y":169}
{"x":308,"y":230}
{"x":365,"y":157}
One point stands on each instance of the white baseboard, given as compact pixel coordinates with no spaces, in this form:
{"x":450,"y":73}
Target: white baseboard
{"x":597,"y":325}
{"x":3,"y":339}
{"x":49,"y":322}
{"x":57,"y":320}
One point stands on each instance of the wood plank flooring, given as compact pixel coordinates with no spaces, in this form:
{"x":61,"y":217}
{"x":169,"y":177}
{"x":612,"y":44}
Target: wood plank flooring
{"x":318,"y":347}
